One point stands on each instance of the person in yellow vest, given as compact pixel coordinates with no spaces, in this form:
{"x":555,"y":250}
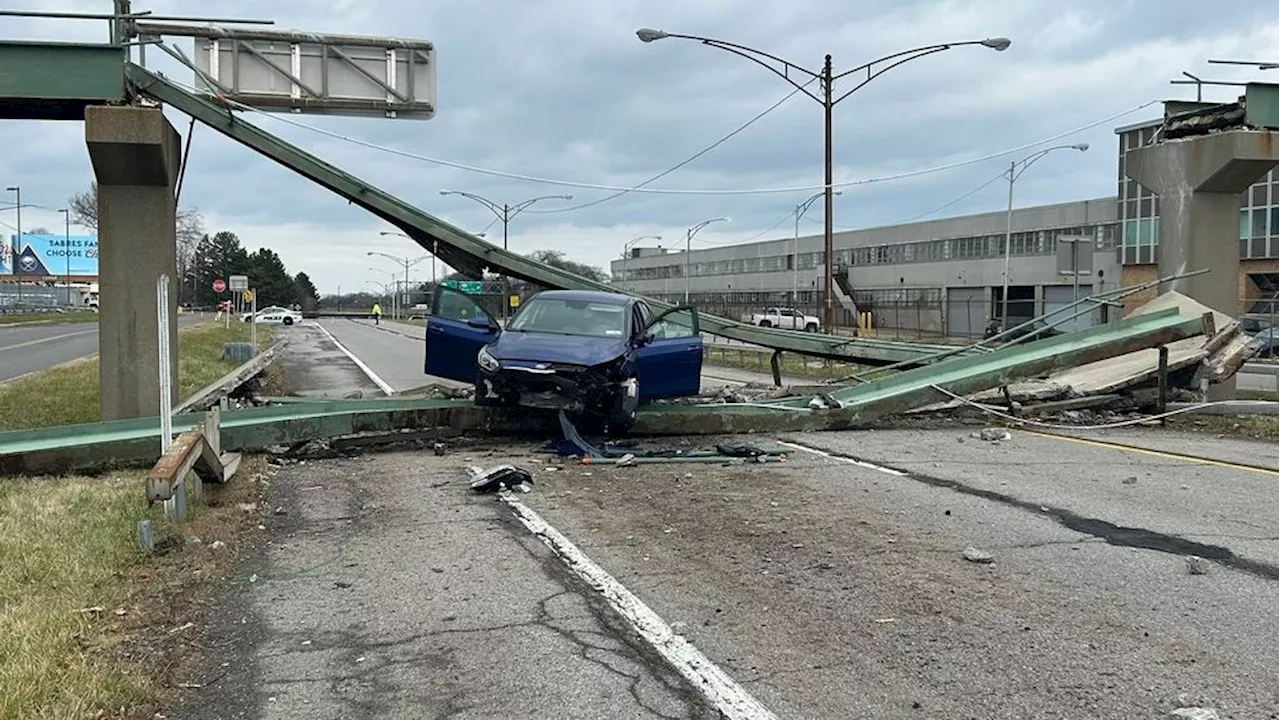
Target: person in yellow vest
{"x":377,"y":314}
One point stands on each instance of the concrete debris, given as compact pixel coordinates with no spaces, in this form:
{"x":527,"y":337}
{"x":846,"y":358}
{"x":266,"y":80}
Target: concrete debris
{"x":438,"y":448}
{"x":354,"y":395}
{"x":992,"y":435}
{"x":974,"y":555}
{"x":1197,"y":565}
{"x":1122,"y":382}
{"x":217,"y":545}
{"x":1131,"y":480}
{"x":1195,"y":713}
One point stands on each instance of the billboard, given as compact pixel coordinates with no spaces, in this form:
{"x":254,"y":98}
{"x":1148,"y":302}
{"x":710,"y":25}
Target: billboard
{"x":6,"y":257}
{"x":46,"y":255}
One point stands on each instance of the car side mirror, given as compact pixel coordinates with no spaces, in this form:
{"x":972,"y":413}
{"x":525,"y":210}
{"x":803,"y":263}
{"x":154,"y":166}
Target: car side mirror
{"x":644,"y":339}
{"x":481,"y":322}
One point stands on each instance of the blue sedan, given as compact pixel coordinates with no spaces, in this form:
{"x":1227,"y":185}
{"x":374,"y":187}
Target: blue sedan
{"x":594,"y":353}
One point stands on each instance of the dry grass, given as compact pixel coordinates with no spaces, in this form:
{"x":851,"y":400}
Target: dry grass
{"x":66,"y":548}
{"x":68,"y":394}
{"x":64,"y":545}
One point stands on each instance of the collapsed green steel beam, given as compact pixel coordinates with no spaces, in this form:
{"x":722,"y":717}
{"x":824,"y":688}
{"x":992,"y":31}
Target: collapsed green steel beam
{"x":467,"y":252}
{"x":864,"y":405}
{"x":98,"y":445}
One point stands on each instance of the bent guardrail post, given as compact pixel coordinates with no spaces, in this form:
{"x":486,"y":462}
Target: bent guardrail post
{"x":198,"y":450}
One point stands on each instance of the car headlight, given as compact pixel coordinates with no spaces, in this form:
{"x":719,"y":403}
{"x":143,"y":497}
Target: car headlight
{"x":486,"y":361}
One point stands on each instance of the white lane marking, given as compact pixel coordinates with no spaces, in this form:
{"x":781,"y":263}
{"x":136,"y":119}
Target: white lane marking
{"x":730,"y":698}
{"x":850,"y":461}
{"x":382,"y":384}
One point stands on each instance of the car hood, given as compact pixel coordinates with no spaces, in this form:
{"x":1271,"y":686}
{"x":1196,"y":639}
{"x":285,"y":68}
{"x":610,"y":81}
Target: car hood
{"x":545,"y":347}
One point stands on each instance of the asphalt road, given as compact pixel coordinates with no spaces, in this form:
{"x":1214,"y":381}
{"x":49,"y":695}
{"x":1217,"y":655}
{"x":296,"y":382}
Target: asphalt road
{"x":28,"y":348}
{"x":822,"y":588}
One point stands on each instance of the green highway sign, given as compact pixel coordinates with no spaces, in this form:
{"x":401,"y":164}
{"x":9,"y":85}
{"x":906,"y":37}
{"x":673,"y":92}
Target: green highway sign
{"x":470,"y":287}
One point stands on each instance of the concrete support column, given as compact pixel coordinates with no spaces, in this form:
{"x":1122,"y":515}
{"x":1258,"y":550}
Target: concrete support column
{"x":1199,"y":181}
{"x":136,"y":155}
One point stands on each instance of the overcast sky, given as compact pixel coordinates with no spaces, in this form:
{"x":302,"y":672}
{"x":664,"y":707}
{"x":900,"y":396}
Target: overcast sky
{"x":563,"y":89}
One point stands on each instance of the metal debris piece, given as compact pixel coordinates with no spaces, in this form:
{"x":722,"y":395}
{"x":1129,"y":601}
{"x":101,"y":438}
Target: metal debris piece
{"x":501,"y":477}
{"x":974,"y":555}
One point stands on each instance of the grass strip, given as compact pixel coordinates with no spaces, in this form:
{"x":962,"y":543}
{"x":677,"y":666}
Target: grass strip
{"x":69,"y":394}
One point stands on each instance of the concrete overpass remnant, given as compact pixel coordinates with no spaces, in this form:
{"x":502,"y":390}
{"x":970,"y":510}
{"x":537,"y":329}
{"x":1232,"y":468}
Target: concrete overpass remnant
{"x":1200,"y":164}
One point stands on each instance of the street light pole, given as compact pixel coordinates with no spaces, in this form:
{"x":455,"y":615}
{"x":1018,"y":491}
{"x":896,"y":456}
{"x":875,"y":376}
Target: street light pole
{"x":688,"y":245}
{"x":505,"y":212}
{"x":801,"y":209}
{"x":13,"y":258}
{"x":406,"y":263}
{"x":66,"y":251}
{"x":826,"y":79}
{"x":627,"y":246}
{"x":1016,"y":168}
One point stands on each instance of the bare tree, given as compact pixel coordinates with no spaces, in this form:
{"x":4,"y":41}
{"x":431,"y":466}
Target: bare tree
{"x":84,"y":212}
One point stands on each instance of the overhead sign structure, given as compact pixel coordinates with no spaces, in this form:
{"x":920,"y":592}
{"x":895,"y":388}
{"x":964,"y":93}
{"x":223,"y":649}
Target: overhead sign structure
{"x":294,"y":71}
{"x":219,"y":285}
{"x":470,"y":287}
{"x":49,"y":255}
{"x":239,"y":282}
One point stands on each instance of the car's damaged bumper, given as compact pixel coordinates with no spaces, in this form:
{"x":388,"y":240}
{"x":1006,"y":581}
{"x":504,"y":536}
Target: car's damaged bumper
{"x":572,"y":388}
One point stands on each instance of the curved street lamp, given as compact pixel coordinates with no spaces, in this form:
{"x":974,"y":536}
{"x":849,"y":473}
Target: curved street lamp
{"x":1016,"y":168}
{"x":688,"y":242}
{"x":505,"y":212}
{"x":628,"y":245}
{"x":826,"y":78}
{"x":801,"y":209}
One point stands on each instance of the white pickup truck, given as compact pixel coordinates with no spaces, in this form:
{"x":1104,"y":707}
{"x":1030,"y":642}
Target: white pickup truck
{"x":786,"y":319}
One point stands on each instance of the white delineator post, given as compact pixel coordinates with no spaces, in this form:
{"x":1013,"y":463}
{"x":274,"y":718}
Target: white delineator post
{"x":178,"y":505}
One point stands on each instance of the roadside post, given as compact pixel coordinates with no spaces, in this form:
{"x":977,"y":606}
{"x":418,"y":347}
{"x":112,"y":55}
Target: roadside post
{"x":252,"y":298}
{"x":237,"y":284}
{"x":176,"y":507}
{"x":219,"y":287}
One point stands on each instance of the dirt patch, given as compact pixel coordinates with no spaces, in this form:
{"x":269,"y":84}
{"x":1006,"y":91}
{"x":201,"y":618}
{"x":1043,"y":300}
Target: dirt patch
{"x":164,"y":632}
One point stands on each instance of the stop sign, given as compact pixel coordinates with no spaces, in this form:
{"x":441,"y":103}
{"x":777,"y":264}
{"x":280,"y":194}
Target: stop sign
{"x":219,"y":285}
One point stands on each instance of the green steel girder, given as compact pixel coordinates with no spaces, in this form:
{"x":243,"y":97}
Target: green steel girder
{"x":866,"y":404}
{"x":56,"y":81}
{"x":1262,"y":105}
{"x":121,"y":442}
{"x":465,"y":251}
{"x":98,"y":445}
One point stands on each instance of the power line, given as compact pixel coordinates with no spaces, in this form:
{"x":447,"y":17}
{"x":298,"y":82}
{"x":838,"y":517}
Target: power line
{"x":679,"y":191}
{"x":681,"y":164}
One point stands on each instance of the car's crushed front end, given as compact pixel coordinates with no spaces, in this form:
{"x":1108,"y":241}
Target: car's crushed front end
{"x":572,"y":387}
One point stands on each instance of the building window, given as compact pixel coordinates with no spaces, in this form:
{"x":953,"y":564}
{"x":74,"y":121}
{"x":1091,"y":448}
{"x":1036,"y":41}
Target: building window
{"x":1259,"y":222}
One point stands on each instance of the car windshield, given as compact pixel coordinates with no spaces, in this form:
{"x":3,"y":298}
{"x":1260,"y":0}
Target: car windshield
{"x":571,"y":317}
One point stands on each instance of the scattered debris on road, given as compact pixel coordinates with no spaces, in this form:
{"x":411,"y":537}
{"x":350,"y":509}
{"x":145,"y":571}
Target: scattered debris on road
{"x":500,"y":477}
{"x":1197,"y":565}
{"x":992,"y":435}
{"x":974,"y":555}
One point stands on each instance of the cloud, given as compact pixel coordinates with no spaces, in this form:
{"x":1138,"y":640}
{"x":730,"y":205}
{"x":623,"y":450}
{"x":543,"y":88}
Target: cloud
{"x":564,"y":89}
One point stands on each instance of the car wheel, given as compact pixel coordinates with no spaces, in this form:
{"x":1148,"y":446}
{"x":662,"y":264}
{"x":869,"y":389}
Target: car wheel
{"x":765,"y":324}
{"x":288,"y":321}
{"x":811,"y":327}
